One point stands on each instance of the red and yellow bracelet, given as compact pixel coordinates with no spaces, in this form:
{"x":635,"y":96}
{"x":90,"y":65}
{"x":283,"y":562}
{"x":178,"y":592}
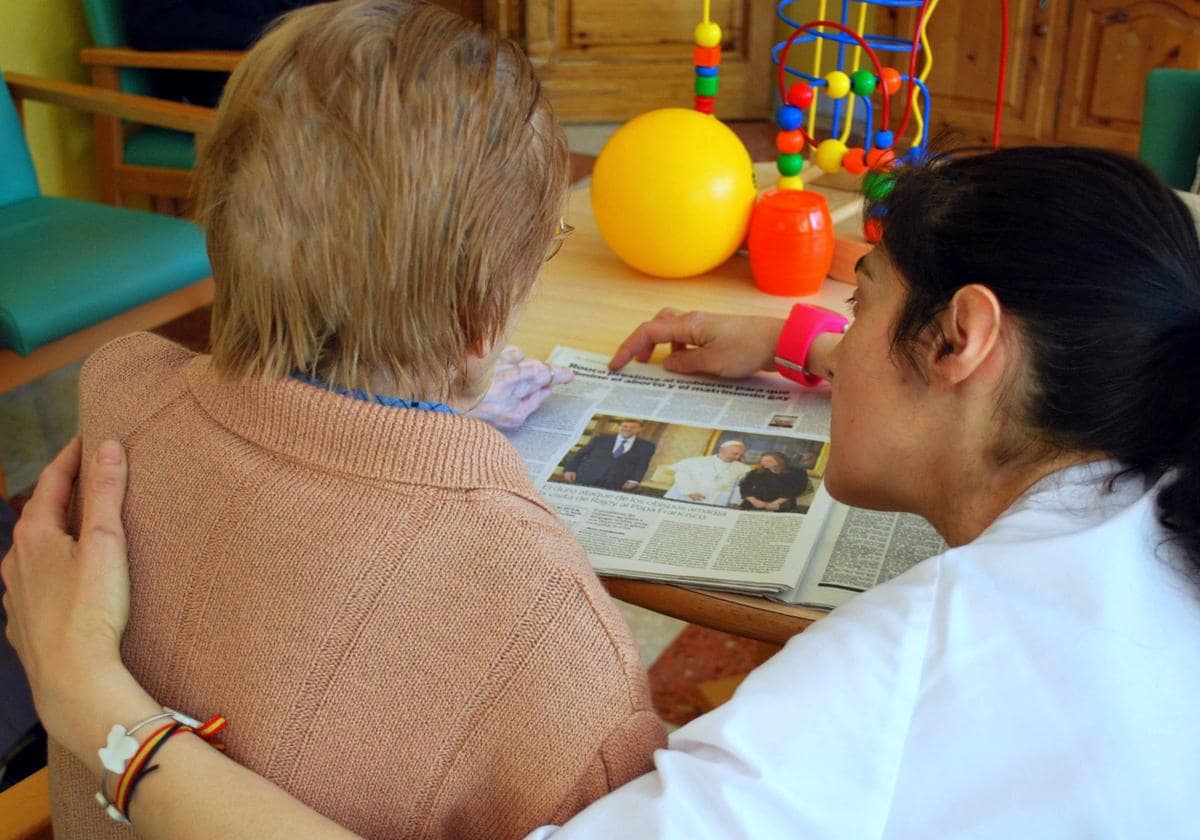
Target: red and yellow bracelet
{"x":138,"y":764}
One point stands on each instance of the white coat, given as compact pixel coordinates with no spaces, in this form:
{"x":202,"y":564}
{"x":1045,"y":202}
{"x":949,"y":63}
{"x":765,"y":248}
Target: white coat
{"x":1042,"y":681}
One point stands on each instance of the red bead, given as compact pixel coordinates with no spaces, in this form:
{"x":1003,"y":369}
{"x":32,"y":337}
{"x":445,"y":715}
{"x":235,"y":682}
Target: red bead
{"x":891,"y":80}
{"x":881,"y":160}
{"x":800,"y":95}
{"x":706,"y":56}
{"x":704,"y":104}
{"x":855,"y":161}
{"x":790,"y":142}
{"x":873,"y":230}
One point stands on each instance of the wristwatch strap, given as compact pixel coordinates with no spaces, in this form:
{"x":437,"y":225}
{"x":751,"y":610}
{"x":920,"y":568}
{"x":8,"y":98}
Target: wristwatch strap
{"x":803,"y":325}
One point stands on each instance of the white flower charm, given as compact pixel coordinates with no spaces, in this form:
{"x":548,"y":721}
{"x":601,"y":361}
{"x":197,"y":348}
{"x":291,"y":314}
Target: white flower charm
{"x":119,"y":749}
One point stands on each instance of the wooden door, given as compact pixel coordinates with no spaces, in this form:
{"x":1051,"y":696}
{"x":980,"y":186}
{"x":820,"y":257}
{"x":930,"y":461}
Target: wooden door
{"x":965,"y":39}
{"x":1110,"y":51}
{"x":607,"y":60}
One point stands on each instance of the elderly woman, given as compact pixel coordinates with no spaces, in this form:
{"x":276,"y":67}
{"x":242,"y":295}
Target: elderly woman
{"x":323,"y":547}
{"x":1021,"y":370}
{"x":774,"y":485}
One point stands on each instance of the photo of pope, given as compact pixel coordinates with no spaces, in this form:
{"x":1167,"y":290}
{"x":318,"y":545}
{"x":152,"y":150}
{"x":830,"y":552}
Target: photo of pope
{"x":611,"y":462}
{"x":709,"y":479}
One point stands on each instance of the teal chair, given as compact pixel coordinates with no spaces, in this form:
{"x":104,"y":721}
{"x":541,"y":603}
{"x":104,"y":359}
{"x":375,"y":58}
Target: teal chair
{"x":145,"y":159}
{"x":75,"y":274}
{"x":1170,"y":138}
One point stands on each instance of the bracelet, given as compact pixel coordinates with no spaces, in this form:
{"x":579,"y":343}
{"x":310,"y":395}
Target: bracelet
{"x":803,"y":325}
{"x":124,"y":756}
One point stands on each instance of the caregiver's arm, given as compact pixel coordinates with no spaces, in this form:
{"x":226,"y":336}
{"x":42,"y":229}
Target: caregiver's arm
{"x":67,"y":603}
{"x":729,"y":346}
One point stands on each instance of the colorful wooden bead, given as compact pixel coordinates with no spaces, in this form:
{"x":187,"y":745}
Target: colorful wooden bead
{"x":862,"y":82}
{"x":884,"y":139}
{"x":790,"y":182}
{"x":877,"y":186}
{"x":800,"y":94}
{"x":707,"y":85}
{"x":707,"y":34}
{"x":789,"y":118}
{"x":891,"y":80}
{"x":855,"y":161}
{"x":829,"y":155}
{"x":873,"y":230}
{"x":704,"y":104}
{"x":790,"y":164}
{"x":837,"y":84}
{"x":790,"y":142}
{"x":881,"y":159}
{"x":706,"y":56}
{"x":707,"y":71}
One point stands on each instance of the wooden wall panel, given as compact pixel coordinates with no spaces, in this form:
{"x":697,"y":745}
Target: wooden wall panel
{"x":603,"y":60}
{"x":1111,"y":49}
{"x":966,"y":40}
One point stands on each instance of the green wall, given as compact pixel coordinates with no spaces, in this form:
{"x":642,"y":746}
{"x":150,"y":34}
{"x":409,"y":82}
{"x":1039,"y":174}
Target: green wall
{"x":43,"y":38}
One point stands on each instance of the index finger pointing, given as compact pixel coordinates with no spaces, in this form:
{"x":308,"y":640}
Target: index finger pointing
{"x":52,"y":495}
{"x":642,"y":341}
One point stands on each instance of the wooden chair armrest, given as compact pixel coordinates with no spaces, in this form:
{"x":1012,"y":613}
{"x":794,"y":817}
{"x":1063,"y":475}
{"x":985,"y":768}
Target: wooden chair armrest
{"x":127,"y":106}
{"x":214,"y":60}
{"x":25,"y":809}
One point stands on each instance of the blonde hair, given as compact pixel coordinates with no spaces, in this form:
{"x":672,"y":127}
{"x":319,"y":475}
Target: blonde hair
{"x":380,"y":189}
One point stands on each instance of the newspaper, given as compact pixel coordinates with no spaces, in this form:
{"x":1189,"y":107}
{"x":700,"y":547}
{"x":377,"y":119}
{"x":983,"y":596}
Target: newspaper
{"x":712,"y":483}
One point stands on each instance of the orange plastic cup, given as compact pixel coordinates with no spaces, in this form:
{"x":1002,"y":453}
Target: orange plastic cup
{"x":791,"y":242}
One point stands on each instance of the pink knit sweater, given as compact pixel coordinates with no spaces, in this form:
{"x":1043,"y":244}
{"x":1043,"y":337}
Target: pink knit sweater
{"x":400,"y":632}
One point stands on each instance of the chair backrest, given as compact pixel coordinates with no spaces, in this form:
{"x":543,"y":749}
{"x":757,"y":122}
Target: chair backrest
{"x":18,"y":179}
{"x":1170,"y":139}
{"x":106,"y":20}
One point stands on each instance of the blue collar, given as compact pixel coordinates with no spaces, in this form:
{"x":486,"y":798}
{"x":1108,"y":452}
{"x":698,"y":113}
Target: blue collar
{"x":379,"y":399}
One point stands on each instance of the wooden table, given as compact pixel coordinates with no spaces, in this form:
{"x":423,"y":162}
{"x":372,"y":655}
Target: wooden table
{"x":589,"y":299}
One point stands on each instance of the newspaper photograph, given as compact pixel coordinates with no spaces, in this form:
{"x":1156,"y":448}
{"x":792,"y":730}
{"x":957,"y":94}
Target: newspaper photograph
{"x":705,"y":482}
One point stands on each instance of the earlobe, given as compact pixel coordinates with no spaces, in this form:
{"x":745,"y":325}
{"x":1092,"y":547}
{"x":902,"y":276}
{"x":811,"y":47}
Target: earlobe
{"x":970,"y":332}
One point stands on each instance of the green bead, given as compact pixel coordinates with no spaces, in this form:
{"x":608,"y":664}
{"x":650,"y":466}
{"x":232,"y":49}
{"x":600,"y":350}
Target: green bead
{"x":862,"y":82}
{"x":789,"y":164}
{"x":707,"y":85}
{"x":877,"y":186}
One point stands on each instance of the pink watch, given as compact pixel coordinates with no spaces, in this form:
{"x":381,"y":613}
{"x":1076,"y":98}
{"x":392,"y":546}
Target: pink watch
{"x":803,"y":325}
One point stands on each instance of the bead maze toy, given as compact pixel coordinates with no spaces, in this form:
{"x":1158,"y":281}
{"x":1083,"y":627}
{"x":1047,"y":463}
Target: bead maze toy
{"x":673,"y":190}
{"x":851,"y":83}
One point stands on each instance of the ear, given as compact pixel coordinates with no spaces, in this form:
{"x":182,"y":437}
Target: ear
{"x":481,"y":349}
{"x":970,"y":341}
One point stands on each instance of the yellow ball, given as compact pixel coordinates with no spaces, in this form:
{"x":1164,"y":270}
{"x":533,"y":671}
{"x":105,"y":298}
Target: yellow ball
{"x":837,"y":84}
{"x":829,"y":154}
{"x":672,"y":192}
{"x":790,"y":182}
{"x":707,"y":34}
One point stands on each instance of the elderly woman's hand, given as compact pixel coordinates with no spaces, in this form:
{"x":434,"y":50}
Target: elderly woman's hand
{"x":519,"y":386}
{"x":68,"y":601}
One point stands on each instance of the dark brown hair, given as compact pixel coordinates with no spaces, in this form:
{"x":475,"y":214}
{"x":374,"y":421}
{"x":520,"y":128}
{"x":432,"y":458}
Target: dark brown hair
{"x":1099,"y":264}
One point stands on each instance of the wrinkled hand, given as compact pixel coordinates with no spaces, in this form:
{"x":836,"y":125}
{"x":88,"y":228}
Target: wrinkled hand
{"x":519,"y":386}
{"x":68,"y":601}
{"x":730,"y":346}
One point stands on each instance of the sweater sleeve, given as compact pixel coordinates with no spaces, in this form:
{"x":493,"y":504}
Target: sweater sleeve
{"x":563,"y":717}
{"x":624,"y":755}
